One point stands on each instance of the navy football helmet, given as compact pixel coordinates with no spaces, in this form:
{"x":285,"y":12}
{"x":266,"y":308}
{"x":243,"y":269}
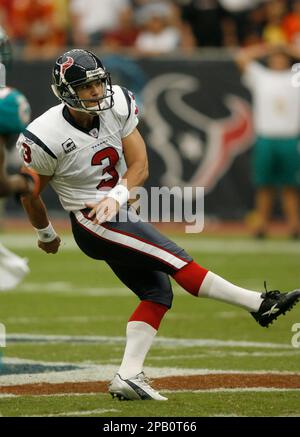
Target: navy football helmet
{"x":78,"y":67}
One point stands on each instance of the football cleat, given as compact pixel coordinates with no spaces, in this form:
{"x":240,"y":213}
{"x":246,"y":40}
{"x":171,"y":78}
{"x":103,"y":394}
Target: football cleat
{"x":274,"y":304}
{"x":136,"y":388}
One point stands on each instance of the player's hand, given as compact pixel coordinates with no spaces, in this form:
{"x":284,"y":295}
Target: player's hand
{"x":51,"y":247}
{"x":104,"y":210}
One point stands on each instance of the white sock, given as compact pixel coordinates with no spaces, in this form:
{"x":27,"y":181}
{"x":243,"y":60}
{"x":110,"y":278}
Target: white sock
{"x":218,"y":288}
{"x":139,"y":337}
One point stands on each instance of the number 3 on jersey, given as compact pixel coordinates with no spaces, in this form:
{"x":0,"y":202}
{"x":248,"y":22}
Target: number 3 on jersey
{"x":26,"y":153}
{"x":100,"y":158}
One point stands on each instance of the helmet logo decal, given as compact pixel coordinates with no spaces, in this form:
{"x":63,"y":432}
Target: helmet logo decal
{"x":67,"y":64}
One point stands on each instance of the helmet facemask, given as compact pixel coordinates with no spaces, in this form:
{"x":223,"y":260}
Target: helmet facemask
{"x":101,"y":104}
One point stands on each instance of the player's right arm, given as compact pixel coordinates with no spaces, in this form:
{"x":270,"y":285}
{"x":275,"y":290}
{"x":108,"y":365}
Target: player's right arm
{"x":38,"y":217}
{"x":36,"y":159}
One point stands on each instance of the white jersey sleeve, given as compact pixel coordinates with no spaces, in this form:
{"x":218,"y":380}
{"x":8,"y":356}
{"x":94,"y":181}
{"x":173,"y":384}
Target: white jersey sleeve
{"x":36,"y":155}
{"x":126,"y":109}
{"x":253,"y":74}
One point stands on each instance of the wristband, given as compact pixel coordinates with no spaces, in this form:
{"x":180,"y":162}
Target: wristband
{"x":47,"y":234}
{"x":120,"y":193}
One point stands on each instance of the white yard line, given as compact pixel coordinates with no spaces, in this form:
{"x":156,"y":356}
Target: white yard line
{"x":159,"y":341}
{"x":199,"y":243}
{"x":218,"y":354}
{"x":234,"y":390}
{"x":41,"y":320}
{"x":66,"y":319}
{"x":163,"y":391}
{"x":210,"y":391}
{"x":69,"y":288}
{"x":99,"y":411}
{"x":243,"y":245}
{"x":86,"y":372}
{"x":58,"y":395}
{"x":73,"y":289}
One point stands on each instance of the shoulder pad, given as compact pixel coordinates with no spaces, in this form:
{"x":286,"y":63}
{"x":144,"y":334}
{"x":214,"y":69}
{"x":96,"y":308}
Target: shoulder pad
{"x":43,"y":130}
{"x":122,"y":100}
{"x":46,"y":124}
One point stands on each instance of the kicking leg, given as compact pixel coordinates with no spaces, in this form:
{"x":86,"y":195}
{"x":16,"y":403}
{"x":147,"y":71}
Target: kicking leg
{"x":265,"y":307}
{"x":203,"y":283}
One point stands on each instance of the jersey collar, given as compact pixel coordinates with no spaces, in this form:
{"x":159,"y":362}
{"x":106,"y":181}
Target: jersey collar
{"x":93,"y":131}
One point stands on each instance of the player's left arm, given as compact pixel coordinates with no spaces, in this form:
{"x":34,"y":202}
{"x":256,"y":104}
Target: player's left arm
{"x":137,"y":172}
{"x":136,"y":159}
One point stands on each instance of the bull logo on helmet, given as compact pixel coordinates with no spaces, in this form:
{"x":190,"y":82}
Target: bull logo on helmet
{"x":67,"y":64}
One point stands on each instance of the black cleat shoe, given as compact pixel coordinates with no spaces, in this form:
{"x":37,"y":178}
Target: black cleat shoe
{"x":275,"y":304}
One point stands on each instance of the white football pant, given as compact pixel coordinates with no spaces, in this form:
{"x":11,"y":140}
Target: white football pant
{"x":12,"y":269}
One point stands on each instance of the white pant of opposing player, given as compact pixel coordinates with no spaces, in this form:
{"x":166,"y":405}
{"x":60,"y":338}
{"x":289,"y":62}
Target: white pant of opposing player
{"x":12,"y":269}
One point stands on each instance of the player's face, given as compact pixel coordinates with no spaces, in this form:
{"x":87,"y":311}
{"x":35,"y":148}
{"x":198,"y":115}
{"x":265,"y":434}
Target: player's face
{"x":92,"y":90}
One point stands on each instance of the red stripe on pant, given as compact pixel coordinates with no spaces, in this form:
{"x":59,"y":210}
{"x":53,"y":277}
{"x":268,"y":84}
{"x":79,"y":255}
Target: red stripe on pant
{"x":190,"y":277}
{"x":150,"y":313}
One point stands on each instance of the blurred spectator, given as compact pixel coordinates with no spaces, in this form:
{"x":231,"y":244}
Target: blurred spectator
{"x":255,"y":25}
{"x":124,"y":36}
{"x":32,"y":23}
{"x":273,"y":32}
{"x":4,"y":14}
{"x":236,"y":20}
{"x":276,"y":109}
{"x":160,"y":32}
{"x":203,"y":16}
{"x":62,"y":14}
{"x":291,"y":24}
{"x":93,"y":19}
{"x":115,"y":24}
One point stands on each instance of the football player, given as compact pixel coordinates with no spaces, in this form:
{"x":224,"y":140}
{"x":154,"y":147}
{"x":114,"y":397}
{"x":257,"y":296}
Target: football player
{"x":78,"y":147}
{"x":14,"y":117}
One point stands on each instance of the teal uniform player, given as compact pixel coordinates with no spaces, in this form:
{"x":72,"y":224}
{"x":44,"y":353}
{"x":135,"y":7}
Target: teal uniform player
{"x":14,"y":117}
{"x":14,"y":111}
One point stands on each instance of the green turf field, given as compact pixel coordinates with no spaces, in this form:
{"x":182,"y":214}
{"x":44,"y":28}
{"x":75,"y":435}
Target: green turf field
{"x":69,"y":315}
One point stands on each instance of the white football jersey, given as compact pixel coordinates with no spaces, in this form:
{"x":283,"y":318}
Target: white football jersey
{"x":84,"y":165}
